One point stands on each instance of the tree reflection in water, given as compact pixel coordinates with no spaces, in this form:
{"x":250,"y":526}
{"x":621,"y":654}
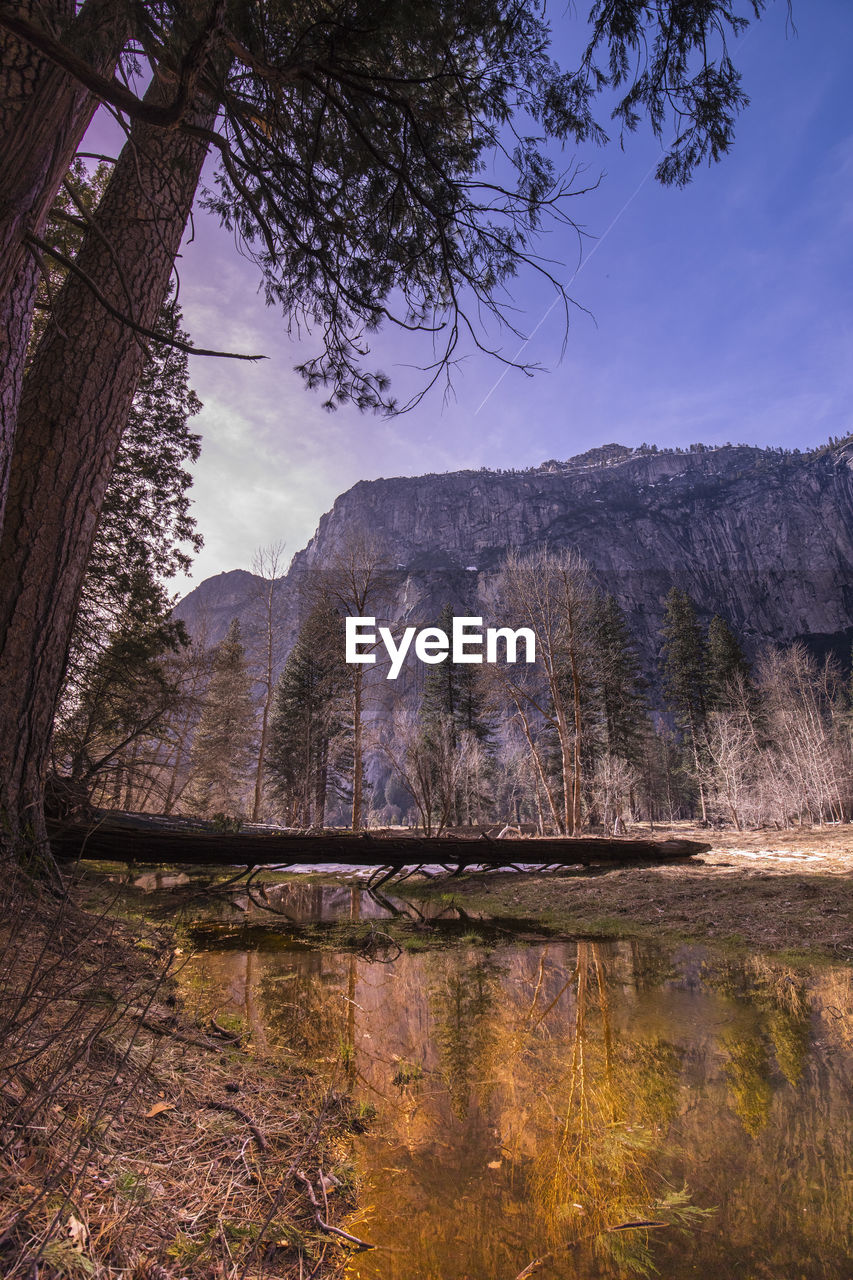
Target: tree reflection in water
{"x":535,"y":1101}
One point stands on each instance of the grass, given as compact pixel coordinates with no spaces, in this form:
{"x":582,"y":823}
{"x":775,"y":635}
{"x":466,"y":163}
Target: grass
{"x":785,"y":892}
{"x":133,"y":1142}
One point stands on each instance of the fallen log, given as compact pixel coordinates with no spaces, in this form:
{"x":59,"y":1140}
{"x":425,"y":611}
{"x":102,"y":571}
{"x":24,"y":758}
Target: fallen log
{"x":115,"y":838}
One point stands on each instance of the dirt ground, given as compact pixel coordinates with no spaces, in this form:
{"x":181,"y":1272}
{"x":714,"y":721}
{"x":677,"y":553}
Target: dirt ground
{"x":137,"y":1142}
{"x":769,"y":890}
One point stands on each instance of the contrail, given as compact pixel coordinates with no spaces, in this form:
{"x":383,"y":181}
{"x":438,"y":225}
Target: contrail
{"x":599,"y":242}
{"x":739,"y":44}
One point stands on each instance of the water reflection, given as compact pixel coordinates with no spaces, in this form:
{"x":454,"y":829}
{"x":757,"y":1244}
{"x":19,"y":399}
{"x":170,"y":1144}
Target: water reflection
{"x":601,"y":1109}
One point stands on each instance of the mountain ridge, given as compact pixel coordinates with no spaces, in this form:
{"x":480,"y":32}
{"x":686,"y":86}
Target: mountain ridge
{"x":764,"y":537}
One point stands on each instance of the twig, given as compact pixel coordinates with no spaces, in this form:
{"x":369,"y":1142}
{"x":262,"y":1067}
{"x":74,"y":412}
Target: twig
{"x":226,"y":1035}
{"x":534,"y":1266}
{"x":641,"y":1222}
{"x":45,"y":275}
{"x":160,"y":1029}
{"x":318,"y":1216}
{"x":241,"y":1115}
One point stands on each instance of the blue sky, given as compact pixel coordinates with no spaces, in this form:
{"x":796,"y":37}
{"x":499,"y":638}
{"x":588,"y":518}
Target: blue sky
{"x":720,"y":312}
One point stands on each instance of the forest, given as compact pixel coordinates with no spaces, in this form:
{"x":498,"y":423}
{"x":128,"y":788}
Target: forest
{"x":582,"y":740}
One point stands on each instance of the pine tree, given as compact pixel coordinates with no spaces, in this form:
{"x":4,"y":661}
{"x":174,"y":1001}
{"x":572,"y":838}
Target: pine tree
{"x":439,"y":700}
{"x":729,"y":677}
{"x":685,"y":675}
{"x":620,"y":687}
{"x":685,"y":662}
{"x":224,"y":742}
{"x":452,"y":690}
{"x":463,"y":996}
{"x":309,"y":742}
{"x":124,"y":699}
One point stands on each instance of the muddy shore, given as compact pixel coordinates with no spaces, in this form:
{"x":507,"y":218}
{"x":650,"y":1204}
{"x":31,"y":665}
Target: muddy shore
{"x":767,"y":890}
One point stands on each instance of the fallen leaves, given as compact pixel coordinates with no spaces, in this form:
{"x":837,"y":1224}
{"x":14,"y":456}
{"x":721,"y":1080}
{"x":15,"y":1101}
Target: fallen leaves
{"x":77,"y":1233}
{"x":158,"y":1109}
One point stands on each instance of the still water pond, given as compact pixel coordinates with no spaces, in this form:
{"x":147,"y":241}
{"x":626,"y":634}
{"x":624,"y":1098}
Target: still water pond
{"x":599,"y":1108}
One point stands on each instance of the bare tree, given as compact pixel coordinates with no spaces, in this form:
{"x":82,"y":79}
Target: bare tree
{"x":267,"y":565}
{"x":223,"y":744}
{"x":613,"y":781}
{"x":473,"y":767}
{"x":800,"y":697}
{"x":175,"y":753}
{"x":428,"y":766}
{"x":730,"y":756}
{"x":552,"y":593}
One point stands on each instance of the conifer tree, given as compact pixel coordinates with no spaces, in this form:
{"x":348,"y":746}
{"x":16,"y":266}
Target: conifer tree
{"x":452,"y":691}
{"x":685,"y":662}
{"x":685,"y":674}
{"x":621,"y":689}
{"x":463,"y":996}
{"x":728,"y":669}
{"x":223,"y":747}
{"x":309,"y":734}
{"x":126,"y":695}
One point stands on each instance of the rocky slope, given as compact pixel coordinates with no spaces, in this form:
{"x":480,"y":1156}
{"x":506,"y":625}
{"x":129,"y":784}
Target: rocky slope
{"x":763,"y":537}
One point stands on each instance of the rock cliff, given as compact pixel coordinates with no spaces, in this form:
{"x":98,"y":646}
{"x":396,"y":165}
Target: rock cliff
{"x":763,"y":537}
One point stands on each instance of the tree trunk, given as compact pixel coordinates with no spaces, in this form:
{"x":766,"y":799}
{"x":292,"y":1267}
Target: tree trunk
{"x":698,"y":767}
{"x":266,"y":565}
{"x":321,"y":782}
{"x":357,"y":747}
{"x":73,"y":410}
{"x":537,"y":764}
{"x":262,"y":751}
{"x":576,"y":751}
{"x":44,"y":113}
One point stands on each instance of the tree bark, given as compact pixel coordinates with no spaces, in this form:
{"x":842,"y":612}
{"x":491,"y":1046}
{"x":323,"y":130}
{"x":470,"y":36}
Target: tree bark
{"x":44,"y":113}
{"x":357,"y":747}
{"x":266,"y":565}
{"x":576,"y":757}
{"x":74,"y":407}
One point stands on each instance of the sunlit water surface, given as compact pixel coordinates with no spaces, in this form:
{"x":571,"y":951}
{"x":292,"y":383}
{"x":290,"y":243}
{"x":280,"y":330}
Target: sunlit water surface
{"x":536,"y":1101}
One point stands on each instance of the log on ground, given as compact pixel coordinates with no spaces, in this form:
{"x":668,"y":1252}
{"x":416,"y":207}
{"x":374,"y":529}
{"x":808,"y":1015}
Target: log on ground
{"x":116,"y":839}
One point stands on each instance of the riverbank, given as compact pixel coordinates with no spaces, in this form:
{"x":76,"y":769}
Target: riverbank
{"x":785,"y":891}
{"x":135,"y":1142}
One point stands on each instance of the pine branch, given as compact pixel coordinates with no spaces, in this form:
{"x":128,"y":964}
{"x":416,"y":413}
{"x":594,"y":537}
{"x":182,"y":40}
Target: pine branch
{"x":70,"y":265}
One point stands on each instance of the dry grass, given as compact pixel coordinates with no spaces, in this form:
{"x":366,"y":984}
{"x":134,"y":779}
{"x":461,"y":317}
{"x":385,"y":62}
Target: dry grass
{"x":770,"y":890}
{"x":133,"y":1143}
